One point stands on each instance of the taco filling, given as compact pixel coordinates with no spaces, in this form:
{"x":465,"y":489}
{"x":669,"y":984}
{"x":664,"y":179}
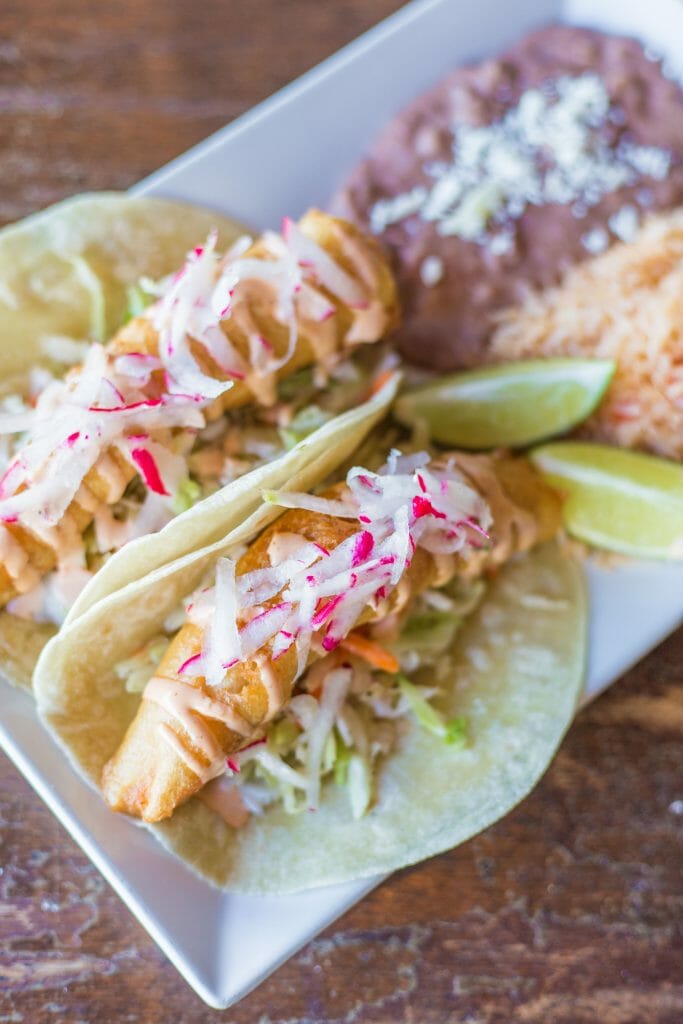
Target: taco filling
{"x":291,"y":665}
{"x":136,"y":433}
{"x":347,"y":713}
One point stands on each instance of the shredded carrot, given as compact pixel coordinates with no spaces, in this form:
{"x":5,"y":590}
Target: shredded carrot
{"x":380,"y":380}
{"x":372,"y":652}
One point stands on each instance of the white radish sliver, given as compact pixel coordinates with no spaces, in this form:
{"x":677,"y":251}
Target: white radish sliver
{"x":223,"y":646}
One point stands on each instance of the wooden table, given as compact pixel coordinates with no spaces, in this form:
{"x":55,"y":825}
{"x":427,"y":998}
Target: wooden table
{"x":569,"y":910}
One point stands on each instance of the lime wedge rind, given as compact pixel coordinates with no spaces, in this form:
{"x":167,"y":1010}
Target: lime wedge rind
{"x":617,"y":500}
{"x":511,"y":405}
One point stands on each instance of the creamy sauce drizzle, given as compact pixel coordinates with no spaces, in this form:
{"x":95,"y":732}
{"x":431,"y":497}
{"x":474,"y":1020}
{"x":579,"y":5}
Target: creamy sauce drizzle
{"x":64,"y":540}
{"x":86,"y":500}
{"x":16,"y":563}
{"x":373,"y":317}
{"x":193,"y":763}
{"x":275,"y":693}
{"x":514,"y":528}
{"x":186,"y":704}
{"x":283,"y":546}
{"x":113,"y":477}
{"x":322,"y":336}
{"x":261,"y":383}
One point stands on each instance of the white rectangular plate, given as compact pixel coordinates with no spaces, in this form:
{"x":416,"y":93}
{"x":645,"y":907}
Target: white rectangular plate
{"x":290,"y":153}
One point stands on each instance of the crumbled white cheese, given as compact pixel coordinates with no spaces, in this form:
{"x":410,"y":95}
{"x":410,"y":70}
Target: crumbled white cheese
{"x":646,"y":161}
{"x":624,"y":223}
{"x":549,"y":148}
{"x":595,"y":241}
{"x":444,"y":194}
{"x":500,"y":244}
{"x":470,"y":218}
{"x":390,"y":211}
{"x":431,"y":271}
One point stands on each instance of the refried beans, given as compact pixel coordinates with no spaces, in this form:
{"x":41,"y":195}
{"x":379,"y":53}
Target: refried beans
{"x":464,"y":249}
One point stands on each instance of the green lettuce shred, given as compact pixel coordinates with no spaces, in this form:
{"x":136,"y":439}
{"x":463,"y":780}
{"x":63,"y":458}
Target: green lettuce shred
{"x":137,"y":670}
{"x":137,"y":301}
{"x":453,"y":732}
{"x":359,"y":784}
{"x":282,"y":736}
{"x":341,"y":765}
{"x":187,"y":495}
{"x":308,"y":419}
{"x":427,"y":633}
{"x":292,"y":387}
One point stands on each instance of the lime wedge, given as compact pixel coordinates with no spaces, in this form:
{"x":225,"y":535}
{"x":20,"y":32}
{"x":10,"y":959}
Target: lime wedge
{"x":511,"y":405}
{"x":620,"y":500}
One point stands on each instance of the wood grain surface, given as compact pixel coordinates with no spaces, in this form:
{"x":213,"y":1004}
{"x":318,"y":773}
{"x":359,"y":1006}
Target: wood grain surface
{"x":569,"y":910}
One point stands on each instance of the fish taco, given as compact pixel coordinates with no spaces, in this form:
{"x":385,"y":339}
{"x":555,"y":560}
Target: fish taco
{"x":153,"y":354}
{"x":351,"y":680}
